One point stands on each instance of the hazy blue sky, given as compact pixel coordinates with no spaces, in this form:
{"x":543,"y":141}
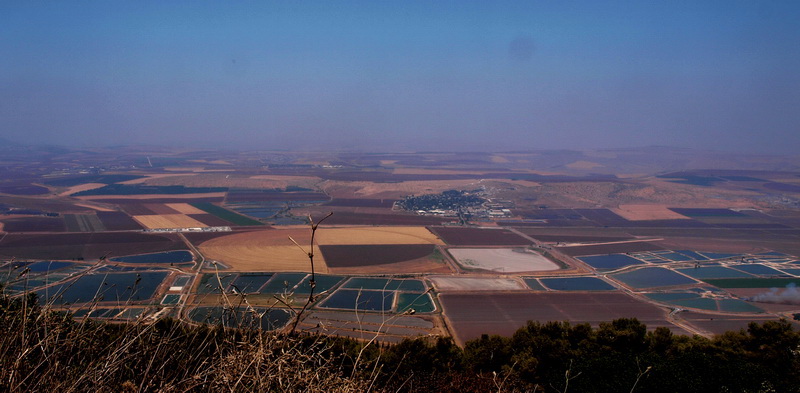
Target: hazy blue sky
{"x":387,"y":75}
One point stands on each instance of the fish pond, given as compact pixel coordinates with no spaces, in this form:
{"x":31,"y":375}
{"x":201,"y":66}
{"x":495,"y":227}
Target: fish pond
{"x":577,"y":284}
{"x":651,"y":277}
{"x":610,"y":262}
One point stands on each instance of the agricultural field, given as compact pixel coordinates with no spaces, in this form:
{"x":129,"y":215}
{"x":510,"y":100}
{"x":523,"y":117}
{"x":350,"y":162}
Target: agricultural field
{"x":502,"y":313}
{"x":479,"y":237}
{"x":581,"y":239}
{"x":502,"y":260}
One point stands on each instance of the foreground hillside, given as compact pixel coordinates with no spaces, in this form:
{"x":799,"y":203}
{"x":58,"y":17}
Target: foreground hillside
{"x":46,"y":351}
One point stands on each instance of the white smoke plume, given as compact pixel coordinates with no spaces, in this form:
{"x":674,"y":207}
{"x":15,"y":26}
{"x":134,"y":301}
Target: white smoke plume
{"x":788,"y":295}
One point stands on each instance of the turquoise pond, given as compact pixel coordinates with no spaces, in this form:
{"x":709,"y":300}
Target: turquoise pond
{"x":651,"y":277}
{"x":419,"y":302}
{"x":158,"y":257}
{"x":577,"y":284}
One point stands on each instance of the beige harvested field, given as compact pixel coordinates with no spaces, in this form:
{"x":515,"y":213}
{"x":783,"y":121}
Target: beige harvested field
{"x":155,"y":196}
{"x":505,"y":260}
{"x":82,"y":187}
{"x":95,"y":206}
{"x":168,"y":221}
{"x":266,"y":250}
{"x":377,"y":235}
{"x":638,"y":212}
{"x":453,"y":283}
{"x":185,"y":208}
{"x":260,"y":258}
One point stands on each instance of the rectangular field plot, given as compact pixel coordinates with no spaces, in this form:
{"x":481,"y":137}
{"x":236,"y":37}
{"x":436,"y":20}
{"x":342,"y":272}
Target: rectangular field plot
{"x":479,"y":237}
{"x":712,"y":272}
{"x":361,"y":300}
{"x":225,"y":214}
{"x":652,"y":277}
{"x":505,"y":260}
{"x":118,"y":221}
{"x":451,"y":283}
{"x":160,"y":257}
{"x":386,"y":328}
{"x":387,"y":284}
{"x":757,"y":269}
{"x":613,"y":248}
{"x":718,"y":324}
{"x":577,"y":284}
{"x":419,"y":302}
{"x":472,"y":315}
{"x":373,"y":254}
{"x":83,"y":223}
{"x":610,"y":262}
{"x":169,"y":221}
{"x":693,"y":212}
{"x":34,"y":224}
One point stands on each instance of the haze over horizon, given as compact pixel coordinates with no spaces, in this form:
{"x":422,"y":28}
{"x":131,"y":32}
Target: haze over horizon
{"x":718,"y":75}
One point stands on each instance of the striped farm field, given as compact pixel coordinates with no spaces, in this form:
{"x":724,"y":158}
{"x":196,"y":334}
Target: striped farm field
{"x":169,"y":221}
{"x":185,"y":208}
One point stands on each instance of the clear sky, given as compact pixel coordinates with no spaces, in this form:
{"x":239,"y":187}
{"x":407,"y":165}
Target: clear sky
{"x":391,"y":75}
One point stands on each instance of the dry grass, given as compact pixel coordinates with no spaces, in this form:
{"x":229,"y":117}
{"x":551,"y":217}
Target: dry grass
{"x":43,"y":351}
{"x":185,"y":208}
{"x":377,"y":235}
{"x":637,"y":212}
{"x":168,"y":221}
{"x":255,"y":257}
{"x":82,"y":187}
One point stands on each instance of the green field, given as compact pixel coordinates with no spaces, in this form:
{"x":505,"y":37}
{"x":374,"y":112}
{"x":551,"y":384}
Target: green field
{"x":226,"y":214}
